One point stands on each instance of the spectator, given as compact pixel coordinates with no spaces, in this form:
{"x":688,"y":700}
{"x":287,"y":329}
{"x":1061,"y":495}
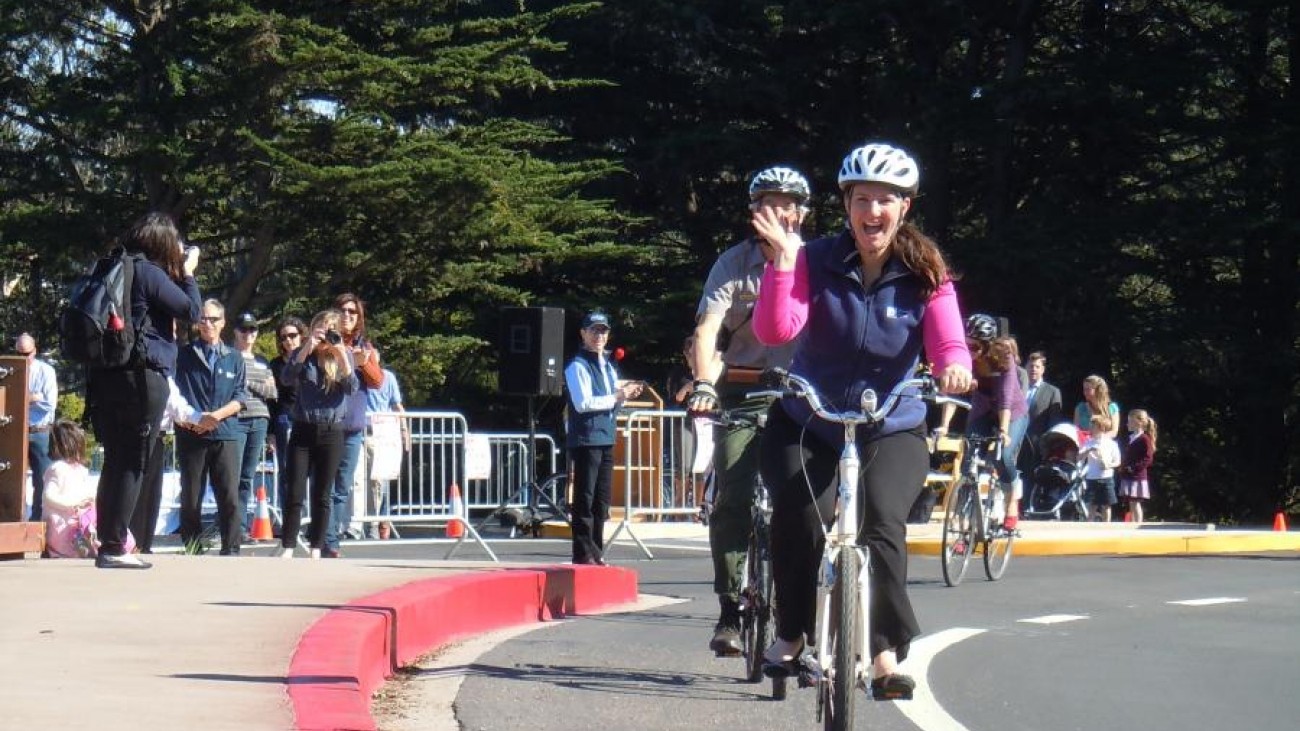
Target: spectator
{"x":595,"y":395}
{"x":211,"y":377}
{"x":1045,"y":411}
{"x":1101,"y":457}
{"x":352,"y":327}
{"x":1096,"y":402}
{"x":144,"y":521}
{"x":723,"y":331}
{"x":1139,"y":453}
{"x":126,"y":404}
{"x":256,"y":416}
{"x":288,"y":336}
{"x":42,"y":400}
{"x":386,"y":398}
{"x":69,"y":495}
{"x":322,"y":371}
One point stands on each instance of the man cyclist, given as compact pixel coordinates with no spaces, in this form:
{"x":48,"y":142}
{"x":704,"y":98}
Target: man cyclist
{"x":723,"y":327}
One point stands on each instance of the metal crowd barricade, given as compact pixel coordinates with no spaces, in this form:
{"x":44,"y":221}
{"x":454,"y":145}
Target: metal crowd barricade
{"x":511,"y":457}
{"x":433,"y":463}
{"x":652,"y":469}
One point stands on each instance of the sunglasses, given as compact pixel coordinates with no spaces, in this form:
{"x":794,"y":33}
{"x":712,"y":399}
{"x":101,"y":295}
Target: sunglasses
{"x":349,"y":310}
{"x":290,"y":336}
{"x":211,"y":320}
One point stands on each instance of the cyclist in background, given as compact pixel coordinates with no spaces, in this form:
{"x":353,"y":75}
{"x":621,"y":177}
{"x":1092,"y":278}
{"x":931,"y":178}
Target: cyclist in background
{"x":998,"y":405}
{"x":866,"y":301}
{"x":723,"y":328}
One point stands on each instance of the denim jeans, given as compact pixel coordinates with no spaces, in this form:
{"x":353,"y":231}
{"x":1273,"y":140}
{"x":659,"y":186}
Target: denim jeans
{"x":341,"y":495}
{"x":254,"y":447}
{"x":38,"y":457}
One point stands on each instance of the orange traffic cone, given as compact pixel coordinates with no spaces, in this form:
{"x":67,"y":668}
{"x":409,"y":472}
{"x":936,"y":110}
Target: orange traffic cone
{"x":1279,"y":522}
{"x":455,"y":526}
{"x":262,"y":523}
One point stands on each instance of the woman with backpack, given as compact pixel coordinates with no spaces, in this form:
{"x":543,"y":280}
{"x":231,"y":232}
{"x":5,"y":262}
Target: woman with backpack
{"x":126,"y":403}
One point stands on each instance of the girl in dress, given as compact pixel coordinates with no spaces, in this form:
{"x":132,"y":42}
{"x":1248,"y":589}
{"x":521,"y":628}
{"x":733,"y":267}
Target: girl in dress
{"x":69,"y":501}
{"x":1139,"y":452}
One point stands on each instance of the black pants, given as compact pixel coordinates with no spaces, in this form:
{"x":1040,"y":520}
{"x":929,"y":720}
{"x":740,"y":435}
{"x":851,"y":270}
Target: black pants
{"x":126,"y":410}
{"x":316,"y":449}
{"x":147,"y":506}
{"x":593,"y":478}
{"x":893,"y":471}
{"x":219,"y":461}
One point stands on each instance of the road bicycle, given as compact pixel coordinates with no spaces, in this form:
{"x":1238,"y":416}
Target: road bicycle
{"x":974,"y":511}
{"x":839,"y":660}
{"x":757,"y":605}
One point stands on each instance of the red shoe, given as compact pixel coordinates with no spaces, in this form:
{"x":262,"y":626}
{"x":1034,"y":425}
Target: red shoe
{"x":1009,"y":525}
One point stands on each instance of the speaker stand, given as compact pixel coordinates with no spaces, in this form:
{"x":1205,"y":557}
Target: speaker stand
{"x":536,"y":497}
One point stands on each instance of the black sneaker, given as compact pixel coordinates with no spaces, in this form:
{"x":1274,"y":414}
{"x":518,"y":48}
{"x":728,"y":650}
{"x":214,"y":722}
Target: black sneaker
{"x":726,"y":639}
{"x":127,"y":561}
{"x":893,"y":687}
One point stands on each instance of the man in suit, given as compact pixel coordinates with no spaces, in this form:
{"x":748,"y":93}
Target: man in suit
{"x":1045,"y":411}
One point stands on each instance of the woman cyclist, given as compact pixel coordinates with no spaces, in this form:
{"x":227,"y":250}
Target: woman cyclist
{"x":998,"y":404}
{"x":866,"y":301}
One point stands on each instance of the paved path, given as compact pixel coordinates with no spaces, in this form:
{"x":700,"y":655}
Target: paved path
{"x":207,"y":642}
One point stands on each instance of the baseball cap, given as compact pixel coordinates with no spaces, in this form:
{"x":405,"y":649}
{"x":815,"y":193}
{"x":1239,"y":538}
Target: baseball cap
{"x":246,"y":321}
{"x":595,"y":319}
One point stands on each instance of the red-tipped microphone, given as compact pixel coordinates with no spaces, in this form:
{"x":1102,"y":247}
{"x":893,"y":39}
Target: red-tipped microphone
{"x":619,"y":354}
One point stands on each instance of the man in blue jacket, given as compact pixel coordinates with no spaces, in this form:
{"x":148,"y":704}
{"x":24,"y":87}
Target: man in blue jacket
{"x":211,"y":376}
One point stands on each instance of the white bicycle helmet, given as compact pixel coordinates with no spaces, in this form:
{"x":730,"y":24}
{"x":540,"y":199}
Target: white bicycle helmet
{"x":780,"y":179}
{"x":878,"y":162}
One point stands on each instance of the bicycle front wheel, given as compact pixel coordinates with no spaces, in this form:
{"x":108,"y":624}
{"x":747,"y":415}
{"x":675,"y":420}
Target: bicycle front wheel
{"x":958,"y":539}
{"x":841,"y":685}
{"x":998,"y":543}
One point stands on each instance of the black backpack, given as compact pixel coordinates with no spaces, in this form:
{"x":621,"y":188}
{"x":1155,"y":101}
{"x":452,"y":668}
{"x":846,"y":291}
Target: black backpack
{"x":95,"y":327}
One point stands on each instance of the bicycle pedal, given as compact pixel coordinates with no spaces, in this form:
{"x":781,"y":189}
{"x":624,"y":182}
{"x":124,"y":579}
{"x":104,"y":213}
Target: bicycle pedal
{"x":891,"y":696}
{"x":727,"y":653}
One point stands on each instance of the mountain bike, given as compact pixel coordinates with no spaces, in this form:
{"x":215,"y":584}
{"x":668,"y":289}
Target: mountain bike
{"x":973,"y":515}
{"x":757,"y":606}
{"x":839,"y":660}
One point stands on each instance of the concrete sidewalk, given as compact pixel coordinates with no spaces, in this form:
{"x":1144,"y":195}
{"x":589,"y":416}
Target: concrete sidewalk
{"x":1037,"y":537}
{"x":207,"y":643}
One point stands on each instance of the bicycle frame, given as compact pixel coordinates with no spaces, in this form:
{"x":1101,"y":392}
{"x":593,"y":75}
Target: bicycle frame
{"x":841,"y":537}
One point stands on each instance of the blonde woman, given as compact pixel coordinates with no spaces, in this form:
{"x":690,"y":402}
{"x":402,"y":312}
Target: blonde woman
{"x":1096,"y":402}
{"x":324,"y":374}
{"x":1139,"y":452}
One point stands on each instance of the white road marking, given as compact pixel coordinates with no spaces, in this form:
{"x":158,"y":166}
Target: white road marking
{"x":1053,"y":618}
{"x":1210,"y":601}
{"x":677,"y":547}
{"x":924,"y":710}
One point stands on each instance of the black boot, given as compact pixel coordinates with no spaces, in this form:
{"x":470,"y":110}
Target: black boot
{"x":726,"y":635}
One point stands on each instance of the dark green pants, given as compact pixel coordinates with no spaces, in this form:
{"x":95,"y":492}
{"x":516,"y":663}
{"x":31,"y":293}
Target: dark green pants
{"x":735,"y":467}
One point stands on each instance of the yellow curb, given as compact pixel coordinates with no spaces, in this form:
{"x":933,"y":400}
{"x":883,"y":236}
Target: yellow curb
{"x":1141,"y":545}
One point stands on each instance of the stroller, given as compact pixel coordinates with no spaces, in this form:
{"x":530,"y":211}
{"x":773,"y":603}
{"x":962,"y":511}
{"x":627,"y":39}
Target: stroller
{"x":1058,"y":492}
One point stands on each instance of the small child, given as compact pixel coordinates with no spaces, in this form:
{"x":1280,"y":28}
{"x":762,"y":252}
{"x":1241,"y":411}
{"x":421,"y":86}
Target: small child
{"x":1139,"y":453}
{"x":69,"y":501}
{"x":1101,"y":457}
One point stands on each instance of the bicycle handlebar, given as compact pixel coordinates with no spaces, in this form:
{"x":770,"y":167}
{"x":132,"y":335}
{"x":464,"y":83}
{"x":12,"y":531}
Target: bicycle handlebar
{"x":797,"y":386}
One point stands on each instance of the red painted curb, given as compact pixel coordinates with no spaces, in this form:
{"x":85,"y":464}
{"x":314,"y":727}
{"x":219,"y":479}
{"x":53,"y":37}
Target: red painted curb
{"x":347,"y":654}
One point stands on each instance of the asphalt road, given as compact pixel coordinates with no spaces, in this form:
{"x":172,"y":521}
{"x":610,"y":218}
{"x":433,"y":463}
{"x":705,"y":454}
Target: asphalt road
{"x":1059,"y":644}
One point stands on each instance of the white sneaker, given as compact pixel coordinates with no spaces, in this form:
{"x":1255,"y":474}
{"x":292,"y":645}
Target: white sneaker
{"x":783,"y":651}
{"x":315,"y":553}
{"x":286,"y":553}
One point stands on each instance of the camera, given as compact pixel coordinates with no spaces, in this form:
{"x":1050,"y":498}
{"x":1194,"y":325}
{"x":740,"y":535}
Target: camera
{"x":191,"y":250}
{"x":332,"y":337}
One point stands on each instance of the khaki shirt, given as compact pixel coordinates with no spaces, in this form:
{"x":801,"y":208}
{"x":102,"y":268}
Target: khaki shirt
{"x":731,"y":291}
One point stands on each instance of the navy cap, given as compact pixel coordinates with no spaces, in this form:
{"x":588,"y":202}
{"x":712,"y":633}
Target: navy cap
{"x":595,"y":319}
{"x":246,"y":321}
